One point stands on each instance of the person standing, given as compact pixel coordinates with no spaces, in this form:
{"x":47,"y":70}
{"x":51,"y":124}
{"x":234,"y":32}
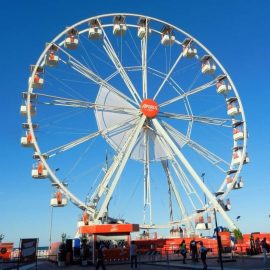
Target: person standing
{"x":203,"y":252}
{"x":133,"y":254}
{"x":264,"y":249}
{"x":183,"y":250}
{"x":193,"y":250}
{"x":258,"y":245}
{"x":100,"y":258}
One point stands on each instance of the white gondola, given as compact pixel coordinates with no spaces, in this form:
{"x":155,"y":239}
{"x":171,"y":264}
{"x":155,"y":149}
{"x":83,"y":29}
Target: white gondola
{"x":141,"y":32}
{"x":94,"y":33}
{"x":232,"y":110}
{"x":229,"y":182}
{"x":26,"y":142}
{"x":71,"y":43}
{"x":52,"y":60}
{"x":233,"y":107}
{"x":208,"y":65}
{"x":142,"y":29}
{"x":188,"y":50}
{"x":36,"y":79}
{"x":238,"y":134}
{"x":54,"y":202}
{"x":119,"y":29}
{"x":229,"y":178}
{"x":119,"y":26}
{"x":36,"y":82}
{"x":167,"y":39}
{"x":223,"y":88}
{"x":36,"y":175}
{"x":208,"y":68}
{"x":23,"y":110}
{"x":237,"y":155}
{"x":240,"y":183}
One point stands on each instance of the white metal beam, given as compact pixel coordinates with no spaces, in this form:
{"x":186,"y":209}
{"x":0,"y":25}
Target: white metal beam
{"x":188,"y":93}
{"x":168,"y":75}
{"x":147,"y":179}
{"x":124,"y":155}
{"x":83,"y":70}
{"x":195,"y":176}
{"x":114,"y":58}
{"x":86,"y":138}
{"x":205,"y":153}
{"x":226,"y":122}
{"x":144,"y":61}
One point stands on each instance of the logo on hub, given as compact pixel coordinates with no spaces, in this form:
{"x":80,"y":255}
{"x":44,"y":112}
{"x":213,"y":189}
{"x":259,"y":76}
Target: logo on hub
{"x":149,"y":108}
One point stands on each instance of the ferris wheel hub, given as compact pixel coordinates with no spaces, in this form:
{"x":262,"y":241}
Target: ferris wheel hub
{"x":149,"y":108}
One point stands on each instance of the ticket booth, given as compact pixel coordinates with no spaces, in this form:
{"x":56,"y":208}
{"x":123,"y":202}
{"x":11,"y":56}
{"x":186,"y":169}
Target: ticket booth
{"x":113,"y":238}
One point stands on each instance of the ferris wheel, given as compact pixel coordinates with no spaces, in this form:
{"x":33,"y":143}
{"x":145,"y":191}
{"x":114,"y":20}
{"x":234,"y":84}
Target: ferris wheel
{"x":152,"y":101}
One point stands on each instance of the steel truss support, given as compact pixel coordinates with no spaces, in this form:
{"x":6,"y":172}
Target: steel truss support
{"x":147,"y":182}
{"x":210,"y":196}
{"x":176,"y":193}
{"x":120,"y":162}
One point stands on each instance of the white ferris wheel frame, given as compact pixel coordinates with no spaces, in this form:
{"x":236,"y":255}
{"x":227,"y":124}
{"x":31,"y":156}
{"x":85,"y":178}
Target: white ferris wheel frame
{"x":122,"y":157}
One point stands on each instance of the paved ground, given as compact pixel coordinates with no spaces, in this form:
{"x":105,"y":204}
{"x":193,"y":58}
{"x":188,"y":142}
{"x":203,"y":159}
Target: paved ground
{"x":254,"y":263}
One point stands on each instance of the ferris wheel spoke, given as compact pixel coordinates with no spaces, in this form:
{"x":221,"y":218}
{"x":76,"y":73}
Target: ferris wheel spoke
{"x":122,"y":158}
{"x":181,"y":139}
{"x":225,"y":122}
{"x":144,"y":61}
{"x":168,"y":75}
{"x":95,"y":78}
{"x":89,"y":74}
{"x":117,"y":63}
{"x":79,"y":141}
{"x":188,"y":93}
{"x":212,"y":199}
{"x":75,"y":103}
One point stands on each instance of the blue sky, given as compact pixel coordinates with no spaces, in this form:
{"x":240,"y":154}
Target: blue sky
{"x":235,"y":31}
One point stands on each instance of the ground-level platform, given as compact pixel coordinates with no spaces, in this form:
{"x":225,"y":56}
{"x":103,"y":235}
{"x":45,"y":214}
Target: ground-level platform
{"x":240,"y":263}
